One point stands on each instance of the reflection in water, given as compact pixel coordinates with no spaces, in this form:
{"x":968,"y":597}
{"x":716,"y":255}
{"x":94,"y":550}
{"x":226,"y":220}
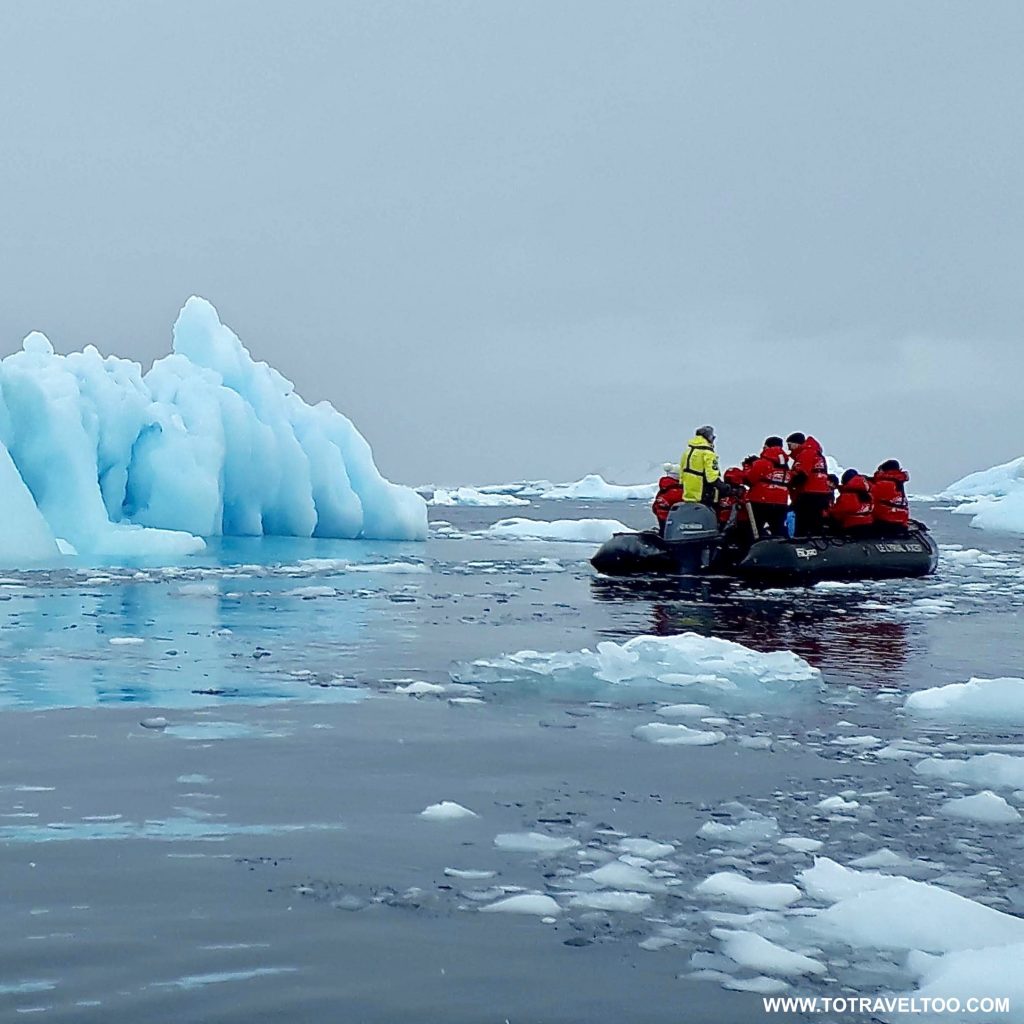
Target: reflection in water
{"x":829,"y":629}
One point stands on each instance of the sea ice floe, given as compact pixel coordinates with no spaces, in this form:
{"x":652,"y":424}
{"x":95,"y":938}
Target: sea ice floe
{"x":473,"y":497}
{"x":534,"y":903}
{"x":990,"y":770}
{"x":755,"y":952}
{"x":645,"y":848}
{"x":623,"y":902}
{"x":677,"y":735}
{"x":534,"y":842}
{"x":735,"y":888}
{"x":985,"y":807}
{"x":801,"y":844}
{"x":618,"y":875}
{"x":707,"y":666}
{"x":999,"y":701}
{"x":590,"y":531}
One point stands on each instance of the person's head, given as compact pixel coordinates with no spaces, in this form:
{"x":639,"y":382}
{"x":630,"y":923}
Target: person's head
{"x":795,"y":439}
{"x":833,"y":481}
{"x":773,"y":442}
{"x":890,"y":466}
{"x":670,"y":469}
{"x":707,"y":432}
{"x":749,"y":461}
{"x":849,"y":475}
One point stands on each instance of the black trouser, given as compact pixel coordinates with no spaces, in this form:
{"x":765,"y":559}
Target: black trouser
{"x":770,"y":516}
{"x":810,"y":512}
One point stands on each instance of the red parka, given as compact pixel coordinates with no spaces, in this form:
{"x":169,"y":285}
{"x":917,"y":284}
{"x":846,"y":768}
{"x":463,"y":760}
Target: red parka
{"x":768,"y":478}
{"x":726,"y":502}
{"x":810,"y":471}
{"x":853,"y":507}
{"x":670,"y":492}
{"x":890,"y":497}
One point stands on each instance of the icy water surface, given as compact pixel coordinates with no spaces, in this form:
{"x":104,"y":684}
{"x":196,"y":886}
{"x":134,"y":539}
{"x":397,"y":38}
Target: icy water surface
{"x":214,"y":773}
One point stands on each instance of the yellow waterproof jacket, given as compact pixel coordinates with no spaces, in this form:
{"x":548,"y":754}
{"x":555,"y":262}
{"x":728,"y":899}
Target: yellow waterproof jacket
{"x":698,"y":470}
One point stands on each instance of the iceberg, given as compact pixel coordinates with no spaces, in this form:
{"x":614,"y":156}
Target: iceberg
{"x":473,"y":496}
{"x":993,"y":497}
{"x":593,"y":531}
{"x":98,"y":455}
{"x":595,"y":488}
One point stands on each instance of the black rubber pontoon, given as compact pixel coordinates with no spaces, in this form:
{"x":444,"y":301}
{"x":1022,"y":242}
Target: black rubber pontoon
{"x":692,"y":545}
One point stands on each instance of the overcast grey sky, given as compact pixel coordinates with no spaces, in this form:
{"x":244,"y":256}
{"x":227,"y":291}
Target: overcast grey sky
{"x":542,"y":238}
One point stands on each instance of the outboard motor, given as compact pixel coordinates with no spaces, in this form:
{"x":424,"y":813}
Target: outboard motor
{"x":691,"y":531}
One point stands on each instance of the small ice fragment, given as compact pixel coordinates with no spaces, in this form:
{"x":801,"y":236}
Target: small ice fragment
{"x":526,"y":903}
{"x":156,"y":722}
{"x":446,"y":810}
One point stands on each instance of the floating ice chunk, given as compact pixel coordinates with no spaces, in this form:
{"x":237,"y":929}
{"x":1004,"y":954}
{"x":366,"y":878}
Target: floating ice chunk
{"x":989,"y":770}
{"x":837,"y":803}
{"x":446,"y":810}
{"x":801,"y":844}
{"x":760,"y":985}
{"x":421,"y":688}
{"x":623,"y":902}
{"x":890,"y":912}
{"x":978,"y":974}
{"x":617,"y":875}
{"x":978,"y":700}
{"x":310,"y":593}
{"x":736,"y":888}
{"x":720,"y":668}
{"x":534,"y":842}
{"x":1004,"y":516}
{"x":534,"y":903}
{"x":591,"y":531}
{"x":754,"y":829}
{"x":595,"y":488}
{"x":755,"y":952}
{"x":677,"y":735}
{"x":126,"y":641}
{"x":684,"y":711}
{"x":474,"y":497}
{"x":984,"y":807}
{"x":469,"y":874}
{"x":882,"y":858}
{"x":156,"y":722}
{"x":646,"y":848}
{"x":388,"y":567}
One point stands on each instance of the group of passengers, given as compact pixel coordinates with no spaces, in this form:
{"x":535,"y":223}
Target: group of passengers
{"x":784,"y":492}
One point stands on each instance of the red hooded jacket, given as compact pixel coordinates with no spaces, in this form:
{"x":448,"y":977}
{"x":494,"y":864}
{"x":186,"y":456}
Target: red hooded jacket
{"x":734,"y":476}
{"x":810,"y":471}
{"x":853,"y":507}
{"x":768,"y":478}
{"x":670,"y":492}
{"x":890,"y":497}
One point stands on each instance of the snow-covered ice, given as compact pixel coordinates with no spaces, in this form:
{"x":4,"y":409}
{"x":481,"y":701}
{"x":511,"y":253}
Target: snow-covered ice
{"x":594,"y":487}
{"x":621,"y":902}
{"x":591,"y":531}
{"x":208,"y":442}
{"x":473,"y":497}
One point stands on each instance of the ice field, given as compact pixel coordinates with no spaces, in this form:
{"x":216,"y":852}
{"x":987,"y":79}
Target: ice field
{"x":472,"y":752}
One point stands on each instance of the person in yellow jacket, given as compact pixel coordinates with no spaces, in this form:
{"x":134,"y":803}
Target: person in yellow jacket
{"x":698,"y":469}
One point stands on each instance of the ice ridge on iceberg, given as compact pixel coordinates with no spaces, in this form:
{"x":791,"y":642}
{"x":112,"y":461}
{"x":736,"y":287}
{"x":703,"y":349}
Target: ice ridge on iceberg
{"x":208,"y":442}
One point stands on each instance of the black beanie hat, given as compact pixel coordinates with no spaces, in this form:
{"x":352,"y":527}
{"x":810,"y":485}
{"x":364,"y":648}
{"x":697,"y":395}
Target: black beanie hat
{"x":796,"y":438}
{"x":773,"y":442}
